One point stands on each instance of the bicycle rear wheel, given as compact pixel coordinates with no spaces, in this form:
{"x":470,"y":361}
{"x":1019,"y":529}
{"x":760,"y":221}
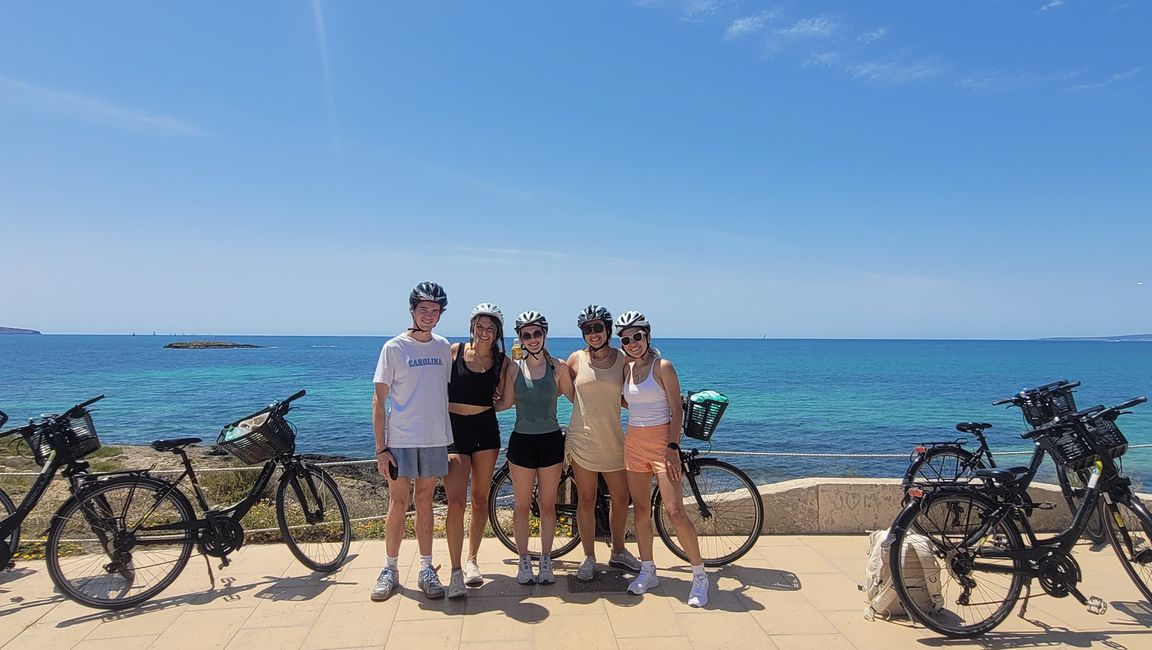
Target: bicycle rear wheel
{"x":1073,"y":482}
{"x":731,"y":517}
{"x":120,"y":542}
{"x":969,"y":590}
{"x":7,"y":508}
{"x":1130,"y":530}
{"x":313,"y":518}
{"x":501,"y":504}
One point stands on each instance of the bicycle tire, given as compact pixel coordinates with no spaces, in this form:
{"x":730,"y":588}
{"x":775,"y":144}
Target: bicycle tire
{"x":7,"y":509}
{"x":944,"y":520}
{"x":1072,"y":483}
{"x":944,"y":464}
{"x":120,"y":511}
{"x":501,"y":503}
{"x":321,"y":545}
{"x":1133,"y":542}
{"x":735,"y":518}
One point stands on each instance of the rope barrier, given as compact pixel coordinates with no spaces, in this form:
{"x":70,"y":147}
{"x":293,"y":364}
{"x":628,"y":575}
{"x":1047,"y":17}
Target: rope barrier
{"x":761,"y":454}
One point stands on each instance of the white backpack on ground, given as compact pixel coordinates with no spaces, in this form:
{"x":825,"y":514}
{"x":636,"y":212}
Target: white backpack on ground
{"x":920,"y":570}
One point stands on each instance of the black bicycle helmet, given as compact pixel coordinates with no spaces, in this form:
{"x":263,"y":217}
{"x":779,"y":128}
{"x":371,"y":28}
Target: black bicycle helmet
{"x":531,"y":317}
{"x":428,"y":292}
{"x":593,"y":313}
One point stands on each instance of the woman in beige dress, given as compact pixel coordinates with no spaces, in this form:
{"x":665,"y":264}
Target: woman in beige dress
{"x":595,"y":440}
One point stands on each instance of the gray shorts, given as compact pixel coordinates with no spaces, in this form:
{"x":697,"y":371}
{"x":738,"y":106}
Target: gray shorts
{"x":421,"y":462}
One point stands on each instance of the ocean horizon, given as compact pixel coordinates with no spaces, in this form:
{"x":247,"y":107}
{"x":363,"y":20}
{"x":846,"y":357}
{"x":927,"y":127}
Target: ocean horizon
{"x":867,"y":396}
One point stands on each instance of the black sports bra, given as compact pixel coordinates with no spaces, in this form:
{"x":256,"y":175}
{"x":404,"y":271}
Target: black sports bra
{"x":475,"y":388}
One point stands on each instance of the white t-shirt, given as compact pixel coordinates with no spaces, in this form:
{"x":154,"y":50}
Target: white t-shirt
{"x":417,"y":375}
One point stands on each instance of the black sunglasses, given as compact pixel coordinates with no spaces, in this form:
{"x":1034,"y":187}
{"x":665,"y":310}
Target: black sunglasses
{"x":534,"y":334}
{"x":597,"y":328}
{"x":638,"y":336}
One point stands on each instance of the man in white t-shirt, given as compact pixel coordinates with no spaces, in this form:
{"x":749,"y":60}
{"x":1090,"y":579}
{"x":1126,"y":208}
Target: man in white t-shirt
{"x":412,"y":436}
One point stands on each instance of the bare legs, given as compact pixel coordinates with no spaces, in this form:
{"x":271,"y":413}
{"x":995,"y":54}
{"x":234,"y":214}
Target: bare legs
{"x":524,"y":479}
{"x":640,"y":485}
{"x":586,"y":486}
{"x":479,"y":467}
{"x":398,"y":496}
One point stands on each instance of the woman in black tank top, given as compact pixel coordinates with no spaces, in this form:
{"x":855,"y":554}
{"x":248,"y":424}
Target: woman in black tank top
{"x":477,"y":367}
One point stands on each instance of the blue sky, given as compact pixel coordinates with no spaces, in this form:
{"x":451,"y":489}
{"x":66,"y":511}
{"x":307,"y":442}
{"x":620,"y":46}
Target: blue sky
{"x":793,"y":169}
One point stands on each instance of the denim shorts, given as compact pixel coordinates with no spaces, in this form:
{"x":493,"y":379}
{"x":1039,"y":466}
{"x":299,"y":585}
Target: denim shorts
{"x":421,"y":462}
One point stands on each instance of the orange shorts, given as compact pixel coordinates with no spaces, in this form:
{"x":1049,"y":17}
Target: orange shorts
{"x":646,"y":449}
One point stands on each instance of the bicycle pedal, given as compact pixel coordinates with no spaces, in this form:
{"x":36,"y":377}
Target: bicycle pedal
{"x":1097,"y":606}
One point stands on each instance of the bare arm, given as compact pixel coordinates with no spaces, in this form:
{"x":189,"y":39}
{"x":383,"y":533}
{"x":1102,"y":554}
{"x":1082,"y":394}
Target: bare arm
{"x":564,"y":384}
{"x":507,"y":387}
{"x":380,"y":428}
{"x":671,"y":382}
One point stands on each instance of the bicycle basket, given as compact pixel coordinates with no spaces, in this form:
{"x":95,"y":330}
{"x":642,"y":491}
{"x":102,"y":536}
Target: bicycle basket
{"x":702,"y":412}
{"x":259,"y":438}
{"x":1077,"y":445}
{"x":1043,"y":406}
{"x":77,"y":438}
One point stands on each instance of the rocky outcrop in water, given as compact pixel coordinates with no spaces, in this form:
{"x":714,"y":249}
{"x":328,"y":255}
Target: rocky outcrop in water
{"x":16,"y":330}
{"x":208,"y":345}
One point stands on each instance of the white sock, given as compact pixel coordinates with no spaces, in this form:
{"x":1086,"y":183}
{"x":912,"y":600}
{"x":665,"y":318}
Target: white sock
{"x":393,"y":562}
{"x":425,"y":561}
{"x":697,"y":570}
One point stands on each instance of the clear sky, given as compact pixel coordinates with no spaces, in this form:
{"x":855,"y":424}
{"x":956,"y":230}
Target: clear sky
{"x":791,"y":169}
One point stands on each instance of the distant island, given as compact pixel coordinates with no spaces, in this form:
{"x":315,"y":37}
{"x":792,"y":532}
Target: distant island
{"x":208,"y":345}
{"x":1106,"y":339}
{"x":16,"y":330}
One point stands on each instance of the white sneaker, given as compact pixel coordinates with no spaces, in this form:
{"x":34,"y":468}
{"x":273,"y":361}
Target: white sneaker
{"x":472,"y":575}
{"x":524,"y":573}
{"x":624,"y":560}
{"x":643,"y":582}
{"x":545,"y":576}
{"x":587,"y":570}
{"x":456,"y":588}
{"x":698,"y":596}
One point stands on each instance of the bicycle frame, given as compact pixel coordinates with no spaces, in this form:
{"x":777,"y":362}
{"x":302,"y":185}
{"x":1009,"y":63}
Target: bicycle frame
{"x":75,"y":471}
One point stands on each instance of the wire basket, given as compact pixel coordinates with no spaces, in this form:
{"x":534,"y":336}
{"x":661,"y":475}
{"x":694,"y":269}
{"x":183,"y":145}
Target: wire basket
{"x":702,"y":417}
{"x":258,"y":438}
{"x":76,"y":439}
{"x":1077,"y":445}
{"x":1042,"y":406}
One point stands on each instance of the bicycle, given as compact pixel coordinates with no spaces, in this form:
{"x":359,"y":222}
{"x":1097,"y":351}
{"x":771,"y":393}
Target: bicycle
{"x":58,"y":443}
{"x":724,"y":504}
{"x":145,"y":528}
{"x":975,"y":530}
{"x":950,"y":461}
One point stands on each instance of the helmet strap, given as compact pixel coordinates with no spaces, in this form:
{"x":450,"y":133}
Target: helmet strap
{"x":599,"y":347}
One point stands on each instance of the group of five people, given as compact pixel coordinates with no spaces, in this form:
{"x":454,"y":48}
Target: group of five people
{"x":434,"y":416}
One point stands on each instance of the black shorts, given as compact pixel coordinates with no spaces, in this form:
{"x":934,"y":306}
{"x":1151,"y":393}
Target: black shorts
{"x":536,"y":450}
{"x":473,"y":433}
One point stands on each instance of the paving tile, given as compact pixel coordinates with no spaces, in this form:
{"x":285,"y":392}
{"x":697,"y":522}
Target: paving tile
{"x":344,"y":625}
{"x":52,"y":635}
{"x":143,"y":621}
{"x":665,"y":643}
{"x":426,"y":635}
{"x":118,"y":643}
{"x":574,"y":632}
{"x":278,"y":638}
{"x":202,"y":630}
{"x":812,"y":641}
{"x":723,"y":630}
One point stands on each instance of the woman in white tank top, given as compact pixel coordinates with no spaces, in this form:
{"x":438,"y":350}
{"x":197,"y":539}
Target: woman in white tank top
{"x":652,"y":449}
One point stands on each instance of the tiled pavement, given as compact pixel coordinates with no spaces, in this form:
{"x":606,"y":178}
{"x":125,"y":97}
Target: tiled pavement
{"x":788,"y":592}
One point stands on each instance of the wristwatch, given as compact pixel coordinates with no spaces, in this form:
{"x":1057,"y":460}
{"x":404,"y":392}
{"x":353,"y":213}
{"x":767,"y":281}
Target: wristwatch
{"x":380,"y":451}
{"x":674,"y":445}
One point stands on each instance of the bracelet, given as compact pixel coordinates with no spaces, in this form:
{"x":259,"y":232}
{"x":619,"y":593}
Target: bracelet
{"x":380,"y":451}
{"x":674,"y":445}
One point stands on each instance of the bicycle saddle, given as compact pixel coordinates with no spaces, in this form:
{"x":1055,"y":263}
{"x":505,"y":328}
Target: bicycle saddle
{"x":973,"y":427}
{"x":1002,"y":476}
{"x":169,"y":445}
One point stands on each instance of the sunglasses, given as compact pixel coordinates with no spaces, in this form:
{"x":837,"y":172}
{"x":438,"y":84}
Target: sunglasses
{"x":595,"y":328}
{"x":637,"y":337}
{"x":534,"y":334}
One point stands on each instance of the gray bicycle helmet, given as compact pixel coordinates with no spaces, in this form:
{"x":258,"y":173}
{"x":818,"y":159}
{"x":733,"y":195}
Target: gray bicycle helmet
{"x":631,"y":318}
{"x":487,"y":309}
{"x":531,"y":317}
{"x":428,"y":292}
{"x":593,"y":313}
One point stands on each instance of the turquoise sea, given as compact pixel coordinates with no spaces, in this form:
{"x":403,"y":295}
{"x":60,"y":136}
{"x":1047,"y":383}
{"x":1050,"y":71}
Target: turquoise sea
{"x":869,"y":396}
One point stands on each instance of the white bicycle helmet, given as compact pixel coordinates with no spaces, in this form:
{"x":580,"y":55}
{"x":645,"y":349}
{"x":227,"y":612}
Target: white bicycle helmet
{"x":428,"y":292}
{"x":631,"y":318}
{"x":487,"y":309}
{"x":531,"y":317}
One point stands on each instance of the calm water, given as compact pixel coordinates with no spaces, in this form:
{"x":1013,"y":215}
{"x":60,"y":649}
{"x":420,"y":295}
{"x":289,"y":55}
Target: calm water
{"x":787,"y":395}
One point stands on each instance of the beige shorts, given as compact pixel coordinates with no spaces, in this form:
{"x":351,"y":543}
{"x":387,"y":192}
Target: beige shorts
{"x":646,"y":449}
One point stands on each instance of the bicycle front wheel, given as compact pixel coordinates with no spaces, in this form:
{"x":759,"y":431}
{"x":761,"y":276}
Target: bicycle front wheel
{"x":948,"y":566}
{"x":724,"y":507}
{"x":1072,"y":483}
{"x":120,"y":542}
{"x":1130,"y":530}
{"x":313,"y":518}
{"x":502,"y":503}
{"x":7,"y":509}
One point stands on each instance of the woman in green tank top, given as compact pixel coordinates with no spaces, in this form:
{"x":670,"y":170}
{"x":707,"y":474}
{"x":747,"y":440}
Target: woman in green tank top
{"x":536,"y":446}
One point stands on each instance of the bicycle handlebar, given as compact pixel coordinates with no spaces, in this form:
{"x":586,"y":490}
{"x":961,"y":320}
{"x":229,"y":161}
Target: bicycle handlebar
{"x":1031,"y":393}
{"x":279,"y":408}
{"x":3,"y":418}
{"x":1095,"y":412}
